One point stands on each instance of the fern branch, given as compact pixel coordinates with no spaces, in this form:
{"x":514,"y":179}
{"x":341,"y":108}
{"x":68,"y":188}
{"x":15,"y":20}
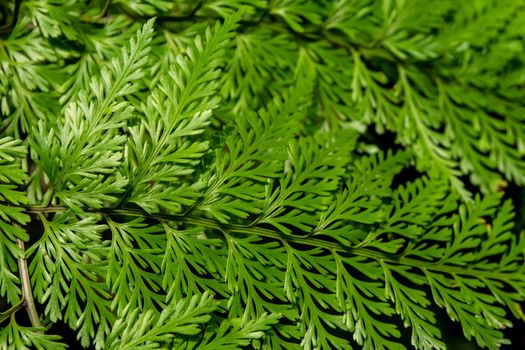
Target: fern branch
{"x":236,"y":229}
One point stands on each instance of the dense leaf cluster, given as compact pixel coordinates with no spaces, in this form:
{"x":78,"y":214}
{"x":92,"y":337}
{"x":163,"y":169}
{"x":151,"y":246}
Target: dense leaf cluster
{"x":210,"y":174}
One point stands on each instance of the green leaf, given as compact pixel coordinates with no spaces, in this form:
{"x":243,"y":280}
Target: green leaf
{"x":147,"y":330}
{"x":174,"y":113}
{"x":16,"y":337}
{"x":232,"y":334}
{"x":81,"y":159}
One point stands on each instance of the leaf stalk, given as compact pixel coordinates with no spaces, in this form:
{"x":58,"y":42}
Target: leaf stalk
{"x":27,"y":293}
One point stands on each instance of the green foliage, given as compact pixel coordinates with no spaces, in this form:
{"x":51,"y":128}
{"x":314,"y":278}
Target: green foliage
{"x":214,"y":174}
{"x":11,"y":215}
{"x":15,"y":337}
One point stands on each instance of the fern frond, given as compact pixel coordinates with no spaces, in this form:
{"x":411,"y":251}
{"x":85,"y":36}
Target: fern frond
{"x":134,"y":264}
{"x":11,"y":215}
{"x":233,"y":335}
{"x":360,"y":201}
{"x":362,"y":301}
{"x":189,"y":261}
{"x":26,"y":88}
{"x":174,"y":112}
{"x":307,"y":183}
{"x":86,"y":145}
{"x":252,"y":155}
{"x":148,"y":330}
{"x":285,"y":174}
{"x":17,"y":337}
{"x":67,"y":270}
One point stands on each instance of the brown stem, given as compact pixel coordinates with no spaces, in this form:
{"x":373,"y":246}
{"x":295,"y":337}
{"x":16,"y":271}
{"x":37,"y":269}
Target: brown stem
{"x":106,"y":8}
{"x":27,"y":292}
